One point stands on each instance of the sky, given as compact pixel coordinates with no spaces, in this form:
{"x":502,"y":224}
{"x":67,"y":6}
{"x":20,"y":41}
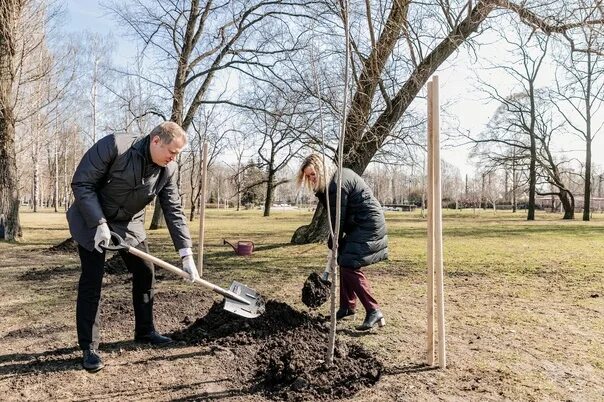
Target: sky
{"x":457,"y":91}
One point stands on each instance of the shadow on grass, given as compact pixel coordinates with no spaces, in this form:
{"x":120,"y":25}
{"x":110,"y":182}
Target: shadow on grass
{"x":45,"y":274}
{"x":208,"y":396}
{"x":408,"y":368}
{"x":66,"y":359}
{"x":151,"y":392}
{"x":355,"y":333}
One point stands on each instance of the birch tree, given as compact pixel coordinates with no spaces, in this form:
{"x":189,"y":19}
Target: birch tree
{"x":22,"y":39}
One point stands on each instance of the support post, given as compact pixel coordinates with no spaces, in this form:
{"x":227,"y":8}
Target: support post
{"x":430,"y":237}
{"x":435,"y":239}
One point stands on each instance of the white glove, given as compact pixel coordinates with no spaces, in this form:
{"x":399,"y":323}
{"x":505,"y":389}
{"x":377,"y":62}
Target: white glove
{"x":102,"y":237}
{"x":188,"y":265}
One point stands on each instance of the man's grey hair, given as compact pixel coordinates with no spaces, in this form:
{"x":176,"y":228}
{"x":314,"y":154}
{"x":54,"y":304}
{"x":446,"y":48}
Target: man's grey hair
{"x":167,"y":131}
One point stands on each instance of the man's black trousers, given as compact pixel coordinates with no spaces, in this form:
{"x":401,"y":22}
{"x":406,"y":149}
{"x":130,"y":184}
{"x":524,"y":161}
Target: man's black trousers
{"x":89,"y":294}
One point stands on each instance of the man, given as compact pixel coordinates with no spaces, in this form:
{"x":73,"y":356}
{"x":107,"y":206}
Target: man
{"x":116,"y":178}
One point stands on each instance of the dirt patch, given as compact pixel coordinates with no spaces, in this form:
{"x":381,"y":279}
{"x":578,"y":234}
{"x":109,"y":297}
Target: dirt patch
{"x":44,"y":274}
{"x":67,"y":246}
{"x":315,"y":291}
{"x":172,"y":309}
{"x":281,"y":354}
{"x":115,"y":266}
{"x":35,"y":331}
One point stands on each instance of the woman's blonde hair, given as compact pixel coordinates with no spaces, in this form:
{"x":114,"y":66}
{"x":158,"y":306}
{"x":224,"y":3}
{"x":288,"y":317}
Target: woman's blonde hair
{"x":323,"y":173}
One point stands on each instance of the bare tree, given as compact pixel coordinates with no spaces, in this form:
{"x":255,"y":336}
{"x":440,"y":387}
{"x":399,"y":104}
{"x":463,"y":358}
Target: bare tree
{"x":211,"y":126}
{"x":279,"y":124}
{"x":579,"y":97}
{"x":529,"y":51}
{"x":241,"y":144}
{"x":23,"y":26}
{"x":195,"y":40}
{"x":432,"y":32}
{"x":552,"y":168}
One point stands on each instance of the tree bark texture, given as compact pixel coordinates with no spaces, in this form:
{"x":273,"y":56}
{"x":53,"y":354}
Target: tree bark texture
{"x":587,"y":189}
{"x":157,"y":221}
{"x":568,"y":204}
{"x":316,"y":231}
{"x":270,"y":191}
{"x":10,"y":12}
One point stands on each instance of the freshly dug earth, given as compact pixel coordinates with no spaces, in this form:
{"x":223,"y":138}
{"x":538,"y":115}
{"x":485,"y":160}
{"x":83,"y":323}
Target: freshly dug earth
{"x":66,"y":246}
{"x":315,"y":291}
{"x":281,"y":354}
{"x":115,"y":265}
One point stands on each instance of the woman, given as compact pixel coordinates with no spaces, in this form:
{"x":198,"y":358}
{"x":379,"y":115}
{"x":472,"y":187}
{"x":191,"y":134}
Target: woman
{"x":362,"y":240}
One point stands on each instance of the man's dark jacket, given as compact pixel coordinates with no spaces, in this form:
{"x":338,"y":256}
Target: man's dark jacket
{"x":113,"y":183}
{"x":363,"y":239}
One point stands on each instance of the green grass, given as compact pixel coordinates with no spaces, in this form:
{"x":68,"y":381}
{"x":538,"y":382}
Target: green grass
{"x":500,"y":245}
{"x":481,"y":243}
{"x":523,"y":299}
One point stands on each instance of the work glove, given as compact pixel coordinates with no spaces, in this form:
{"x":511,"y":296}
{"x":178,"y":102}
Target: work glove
{"x":102,"y":237}
{"x":188,"y":264}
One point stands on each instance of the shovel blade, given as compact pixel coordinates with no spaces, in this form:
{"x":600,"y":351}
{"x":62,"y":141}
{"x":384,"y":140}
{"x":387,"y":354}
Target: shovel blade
{"x":251,"y":310}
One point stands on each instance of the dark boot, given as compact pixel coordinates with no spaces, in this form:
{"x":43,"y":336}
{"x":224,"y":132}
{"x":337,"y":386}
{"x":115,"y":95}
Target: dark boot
{"x":92,"y":361}
{"x":344,"y":312}
{"x":153,"y":338}
{"x":373,"y":317}
{"x":143,"y":313}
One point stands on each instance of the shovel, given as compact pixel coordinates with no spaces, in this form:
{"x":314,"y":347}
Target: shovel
{"x":239,"y":299}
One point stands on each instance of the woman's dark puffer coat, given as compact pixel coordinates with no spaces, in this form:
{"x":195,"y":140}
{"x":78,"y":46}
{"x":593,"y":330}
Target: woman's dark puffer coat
{"x":363,"y":238}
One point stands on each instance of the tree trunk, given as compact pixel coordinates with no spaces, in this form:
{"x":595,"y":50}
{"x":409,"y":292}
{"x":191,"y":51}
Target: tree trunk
{"x":157,"y":222}
{"x":315,"y":232}
{"x":533,"y":162}
{"x":568,"y":204}
{"x":270,"y":191}
{"x":587,"y":190}
{"x":36,"y":189}
{"x":9,"y":189}
{"x":55,"y":195}
{"x":192,"y":215}
{"x":532,"y":188}
{"x":514,"y":181}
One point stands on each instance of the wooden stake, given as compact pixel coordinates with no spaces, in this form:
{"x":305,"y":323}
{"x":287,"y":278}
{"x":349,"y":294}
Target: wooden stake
{"x":202,"y":205}
{"x":430,"y":245}
{"x":438,"y":235}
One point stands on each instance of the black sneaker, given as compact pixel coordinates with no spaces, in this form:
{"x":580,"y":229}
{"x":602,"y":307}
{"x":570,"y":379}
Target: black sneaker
{"x":92,"y":361}
{"x":153,"y":338}
{"x":373,"y":317}
{"x":344,"y":312}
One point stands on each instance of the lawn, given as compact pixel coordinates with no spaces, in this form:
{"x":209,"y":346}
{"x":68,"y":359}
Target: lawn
{"x":524,"y":310}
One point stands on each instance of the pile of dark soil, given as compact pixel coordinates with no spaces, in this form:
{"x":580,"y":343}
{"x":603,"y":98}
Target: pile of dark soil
{"x":315,"y":291}
{"x":115,"y":266}
{"x":281,"y":354}
{"x":67,"y":246}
